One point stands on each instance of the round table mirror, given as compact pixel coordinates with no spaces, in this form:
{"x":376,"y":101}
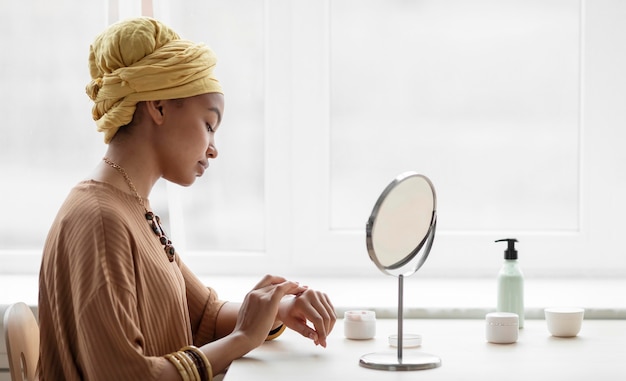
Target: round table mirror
{"x":399,"y":237}
{"x":402,"y":222}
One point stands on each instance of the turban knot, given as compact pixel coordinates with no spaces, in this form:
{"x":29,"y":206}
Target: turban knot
{"x":143,"y":60}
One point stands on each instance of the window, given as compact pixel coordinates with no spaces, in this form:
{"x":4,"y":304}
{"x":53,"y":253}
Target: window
{"x":503,"y":104}
{"x":48,"y":137}
{"x":513,"y":109}
{"x":57,"y":145}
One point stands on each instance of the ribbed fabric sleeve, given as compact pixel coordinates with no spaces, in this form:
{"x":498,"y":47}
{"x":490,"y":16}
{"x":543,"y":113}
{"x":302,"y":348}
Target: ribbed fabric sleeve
{"x":110,"y":303}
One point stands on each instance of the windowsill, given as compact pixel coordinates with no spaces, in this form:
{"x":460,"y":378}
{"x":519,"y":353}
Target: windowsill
{"x":423,"y":297}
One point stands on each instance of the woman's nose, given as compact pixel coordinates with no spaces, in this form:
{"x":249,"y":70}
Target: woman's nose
{"x":211,"y":152}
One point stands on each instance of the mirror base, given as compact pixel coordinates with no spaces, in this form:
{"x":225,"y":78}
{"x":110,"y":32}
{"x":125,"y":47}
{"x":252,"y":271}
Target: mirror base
{"x":390,"y":361}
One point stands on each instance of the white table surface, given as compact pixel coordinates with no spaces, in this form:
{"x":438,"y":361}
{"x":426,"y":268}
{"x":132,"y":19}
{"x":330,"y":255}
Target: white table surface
{"x":425,"y":299}
{"x":597,"y":353}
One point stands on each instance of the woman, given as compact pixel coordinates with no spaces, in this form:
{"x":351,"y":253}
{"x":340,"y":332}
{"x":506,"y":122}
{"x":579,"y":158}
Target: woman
{"x":116,"y":302}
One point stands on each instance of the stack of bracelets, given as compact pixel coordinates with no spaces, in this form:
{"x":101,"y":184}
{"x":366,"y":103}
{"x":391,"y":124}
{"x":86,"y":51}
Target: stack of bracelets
{"x":192,"y":364}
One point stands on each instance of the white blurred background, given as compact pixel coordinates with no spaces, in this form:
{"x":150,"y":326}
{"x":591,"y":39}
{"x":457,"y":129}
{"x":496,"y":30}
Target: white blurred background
{"x":515,"y":109}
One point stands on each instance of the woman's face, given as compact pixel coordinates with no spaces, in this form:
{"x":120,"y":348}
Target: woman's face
{"x":186,"y":140}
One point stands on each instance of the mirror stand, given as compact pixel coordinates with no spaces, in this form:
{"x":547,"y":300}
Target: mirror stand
{"x":399,"y":235}
{"x":400,"y":361}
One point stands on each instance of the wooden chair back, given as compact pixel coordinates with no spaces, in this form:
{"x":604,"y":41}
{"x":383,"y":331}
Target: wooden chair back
{"x":21,"y":332}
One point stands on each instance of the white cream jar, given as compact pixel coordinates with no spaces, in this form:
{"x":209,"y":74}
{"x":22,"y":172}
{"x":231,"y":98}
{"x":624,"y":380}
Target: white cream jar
{"x":359,"y":324}
{"x":502,"y":327}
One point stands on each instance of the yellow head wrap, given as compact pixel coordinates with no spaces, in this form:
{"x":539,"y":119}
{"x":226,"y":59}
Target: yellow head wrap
{"x":141,"y":59}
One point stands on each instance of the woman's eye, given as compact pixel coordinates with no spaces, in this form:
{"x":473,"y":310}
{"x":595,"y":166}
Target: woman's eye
{"x":209,"y":128}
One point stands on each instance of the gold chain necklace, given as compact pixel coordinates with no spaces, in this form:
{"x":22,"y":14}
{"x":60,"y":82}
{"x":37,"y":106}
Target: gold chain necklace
{"x":153,"y":220}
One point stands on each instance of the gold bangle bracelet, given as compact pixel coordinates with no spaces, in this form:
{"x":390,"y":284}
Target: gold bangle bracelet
{"x":276,"y":332}
{"x":200,"y":364}
{"x":202,"y":357}
{"x":181,"y":370}
{"x":189,"y":365}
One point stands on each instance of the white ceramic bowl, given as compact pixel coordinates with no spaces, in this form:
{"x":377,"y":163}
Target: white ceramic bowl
{"x":564,"y":321}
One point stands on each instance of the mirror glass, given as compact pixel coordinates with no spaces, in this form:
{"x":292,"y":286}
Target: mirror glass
{"x":401,"y":224}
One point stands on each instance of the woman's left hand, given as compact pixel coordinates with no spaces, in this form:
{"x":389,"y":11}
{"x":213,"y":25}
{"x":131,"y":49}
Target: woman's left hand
{"x":309,"y":306}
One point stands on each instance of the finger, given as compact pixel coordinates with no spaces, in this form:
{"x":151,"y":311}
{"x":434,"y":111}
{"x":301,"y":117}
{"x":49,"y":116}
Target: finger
{"x":322,"y":304}
{"x":331,"y":311}
{"x":328,"y":315}
{"x":288,"y":288}
{"x":306,"y":331}
{"x":304,"y":288}
{"x":269,"y":280}
{"x":319,"y":321}
{"x":319,"y":317}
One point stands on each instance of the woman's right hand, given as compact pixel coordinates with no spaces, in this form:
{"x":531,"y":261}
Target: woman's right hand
{"x":241,"y":327}
{"x":259,"y":309}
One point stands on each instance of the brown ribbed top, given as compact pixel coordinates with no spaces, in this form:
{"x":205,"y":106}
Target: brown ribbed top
{"x":110,"y":303}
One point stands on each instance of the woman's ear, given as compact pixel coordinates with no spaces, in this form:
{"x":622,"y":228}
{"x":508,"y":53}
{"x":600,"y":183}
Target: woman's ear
{"x":155,"y":111}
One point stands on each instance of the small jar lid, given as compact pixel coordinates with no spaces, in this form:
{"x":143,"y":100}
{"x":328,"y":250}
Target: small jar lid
{"x":502,"y":319}
{"x":360,"y":315}
{"x":409,"y":340}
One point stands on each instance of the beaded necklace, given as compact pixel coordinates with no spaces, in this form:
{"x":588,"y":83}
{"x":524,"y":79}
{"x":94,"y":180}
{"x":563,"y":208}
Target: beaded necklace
{"x":153,"y":220}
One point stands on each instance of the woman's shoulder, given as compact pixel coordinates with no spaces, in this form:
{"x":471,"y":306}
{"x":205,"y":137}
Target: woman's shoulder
{"x":98,"y":189}
{"x":92,"y":193}
{"x":95,"y":200}
{"x":95,"y":218}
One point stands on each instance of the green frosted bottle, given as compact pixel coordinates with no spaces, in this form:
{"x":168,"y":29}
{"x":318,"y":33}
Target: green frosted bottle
{"x":511,"y":283}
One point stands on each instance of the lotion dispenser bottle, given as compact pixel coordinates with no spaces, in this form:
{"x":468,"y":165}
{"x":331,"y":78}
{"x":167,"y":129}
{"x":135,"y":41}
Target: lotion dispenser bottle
{"x":511,"y":283}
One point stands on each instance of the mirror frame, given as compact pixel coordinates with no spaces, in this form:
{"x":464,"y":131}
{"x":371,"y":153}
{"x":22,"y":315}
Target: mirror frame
{"x":426,"y":240}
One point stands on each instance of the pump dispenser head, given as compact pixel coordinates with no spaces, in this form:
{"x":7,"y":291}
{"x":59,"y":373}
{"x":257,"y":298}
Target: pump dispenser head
{"x":510,"y":252}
